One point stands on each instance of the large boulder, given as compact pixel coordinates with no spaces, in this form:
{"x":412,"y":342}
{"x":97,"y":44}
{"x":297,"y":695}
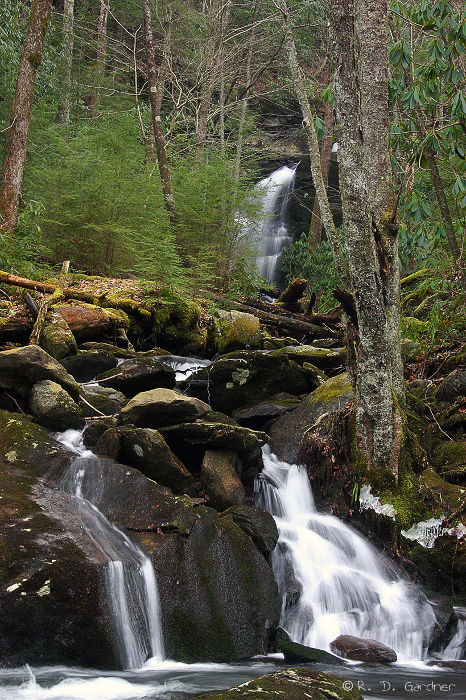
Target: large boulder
{"x":247,"y":377}
{"x":291,"y":684}
{"x":257,"y":523}
{"x":21,"y":368}
{"x":135,"y":376}
{"x":234,"y":330}
{"x":214,"y":436}
{"x":101,"y":399}
{"x":260,"y":414}
{"x":358,"y":649}
{"x":56,"y":337}
{"x":219,"y":599}
{"x":220,"y":479}
{"x":87,"y":364}
{"x":145,"y":449}
{"x":53,"y":407}
{"x":158,"y":407}
{"x":287,"y":433}
{"x":293,"y":651}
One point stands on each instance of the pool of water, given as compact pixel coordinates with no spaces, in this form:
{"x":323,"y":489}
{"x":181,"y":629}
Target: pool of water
{"x":169,"y":680}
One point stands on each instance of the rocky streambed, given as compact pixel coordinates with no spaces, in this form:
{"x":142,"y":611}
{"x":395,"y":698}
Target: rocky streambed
{"x":178,"y":446}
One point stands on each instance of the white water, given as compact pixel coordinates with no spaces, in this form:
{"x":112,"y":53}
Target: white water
{"x":131,"y":585}
{"x":183,"y":366}
{"x":332,"y":581}
{"x":270,"y":234}
{"x":456,"y":647}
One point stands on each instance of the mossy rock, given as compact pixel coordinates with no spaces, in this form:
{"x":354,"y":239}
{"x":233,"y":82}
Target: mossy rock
{"x":290,"y":684}
{"x":56,"y":337}
{"x":219,"y":599}
{"x":295,"y":652}
{"x":234,"y":330}
{"x":21,"y":368}
{"x":269,"y":342}
{"x":53,"y":407}
{"x":450,"y":461}
{"x":449,"y":497}
{"x":220,"y":479}
{"x":322,"y":358}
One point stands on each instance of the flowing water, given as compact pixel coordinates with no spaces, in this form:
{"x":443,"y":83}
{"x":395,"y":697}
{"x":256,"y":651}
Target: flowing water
{"x":130,"y":580}
{"x":270,"y":235}
{"x":332,"y":581}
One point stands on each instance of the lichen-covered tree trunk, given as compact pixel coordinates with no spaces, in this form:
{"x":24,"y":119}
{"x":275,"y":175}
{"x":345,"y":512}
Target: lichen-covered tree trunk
{"x":155,"y":104}
{"x":315,"y":231}
{"x":64,"y":107}
{"x":15,"y":155}
{"x":361,"y":105}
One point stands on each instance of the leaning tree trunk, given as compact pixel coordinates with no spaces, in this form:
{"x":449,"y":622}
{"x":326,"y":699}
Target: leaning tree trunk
{"x":64,"y":107}
{"x":314,"y":151}
{"x":361,"y":104}
{"x":315,"y":231}
{"x":15,"y":156}
{"x":155,"y":104}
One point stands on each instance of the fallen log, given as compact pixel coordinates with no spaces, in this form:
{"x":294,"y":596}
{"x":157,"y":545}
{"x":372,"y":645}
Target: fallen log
{"x":290,"y":323}
{"x":44,"y":287}
{"x":45,"y":302}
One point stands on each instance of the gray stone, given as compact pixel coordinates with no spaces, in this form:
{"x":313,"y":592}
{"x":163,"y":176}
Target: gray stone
{"x":87,"y":364}
{"x":21,"y":368}
{"x":220,"y":480}
{"x":103,"y":398}
{"x":293,"y":651}
{"x":135,"y":376}
{"x":214,"y":436}
{"x":453,"y":385}
{"x":256,"y":523}
{"x":358,"y":649}
{"x":159,"y":407}
{"x":53,"y":407}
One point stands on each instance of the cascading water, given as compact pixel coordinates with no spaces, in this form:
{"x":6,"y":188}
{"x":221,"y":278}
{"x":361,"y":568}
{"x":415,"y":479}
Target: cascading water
{"x":131,"y":584}
{"x":332,"y":581}
{"x":270,"y":235}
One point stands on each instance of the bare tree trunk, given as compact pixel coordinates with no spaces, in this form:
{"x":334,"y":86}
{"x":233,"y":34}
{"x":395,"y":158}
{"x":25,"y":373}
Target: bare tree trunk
{"x":64,"y":108}
{"x":155,"y":103}
{"x":101,"y":52}
{"x":315,"y":231}
{"x":209,"y":64}
{"x":15,"y":155}
{"x":361,"y":103}
{"x":314,"y":151}
{"x":244,"y":106}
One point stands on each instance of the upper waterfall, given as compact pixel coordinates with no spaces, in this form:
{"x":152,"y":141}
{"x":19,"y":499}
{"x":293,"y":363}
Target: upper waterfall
{"x":332,"y":581}
{"x":270,"y":233}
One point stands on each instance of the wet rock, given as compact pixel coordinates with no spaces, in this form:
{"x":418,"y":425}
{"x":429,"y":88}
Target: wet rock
{"x":160,"y":407}
{"x":293,"y":651}
{"x":89,"y":322}
{"x":135,"y":376}
{"x":102,"y":398}
{"x":256,"y":523}
{"x":145,"y":449}
{"x":219,"y":599}
{"x":234,"y":330}
{"x":87,"y":364}
{"x":243,"y":378}
{"x":260,"y":414}
{"x":290,"y":684}
{"x":452,"y":386}
{"x":56,"y":337}
{"x":214,"y":436}
{"x":358,"y":649}
{"x":287,"y":433}
{"x":322,"y":358}
{"x":21,"y":368}
{"x":220,"y":480}
{"x":96,"y":428}
{"x":108,"y":444}
{"x":53,"y":407}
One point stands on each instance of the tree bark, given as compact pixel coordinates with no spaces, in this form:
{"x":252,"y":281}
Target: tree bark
{"x":64,"y":108}
{"x":101,"y":52}
{"x":314,"y":151}
{"x":315,"y":231}
{"x":361,"y":106}
{"x":15,"y":155}
{"x":244,"y":105}
{"x":155,"y":104}
{"x":214,"y":24}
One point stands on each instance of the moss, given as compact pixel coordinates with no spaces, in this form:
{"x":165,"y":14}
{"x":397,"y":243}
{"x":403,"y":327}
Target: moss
{"x":234,"y":334}
{"x":414,"y":328}
{"x":450,"y":460}
{"x":331,"y":389}
{"x":447,"y":498}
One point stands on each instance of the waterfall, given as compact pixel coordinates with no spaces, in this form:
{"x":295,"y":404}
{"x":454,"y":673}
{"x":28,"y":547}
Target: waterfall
{"x":130,"y":580}
{"x":270,"y":235}
{"x":332,"y":581}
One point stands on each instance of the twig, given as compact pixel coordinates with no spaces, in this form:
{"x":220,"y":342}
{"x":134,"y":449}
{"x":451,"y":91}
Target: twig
{"x":91,"y":406}
{"x":106,"y":379}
